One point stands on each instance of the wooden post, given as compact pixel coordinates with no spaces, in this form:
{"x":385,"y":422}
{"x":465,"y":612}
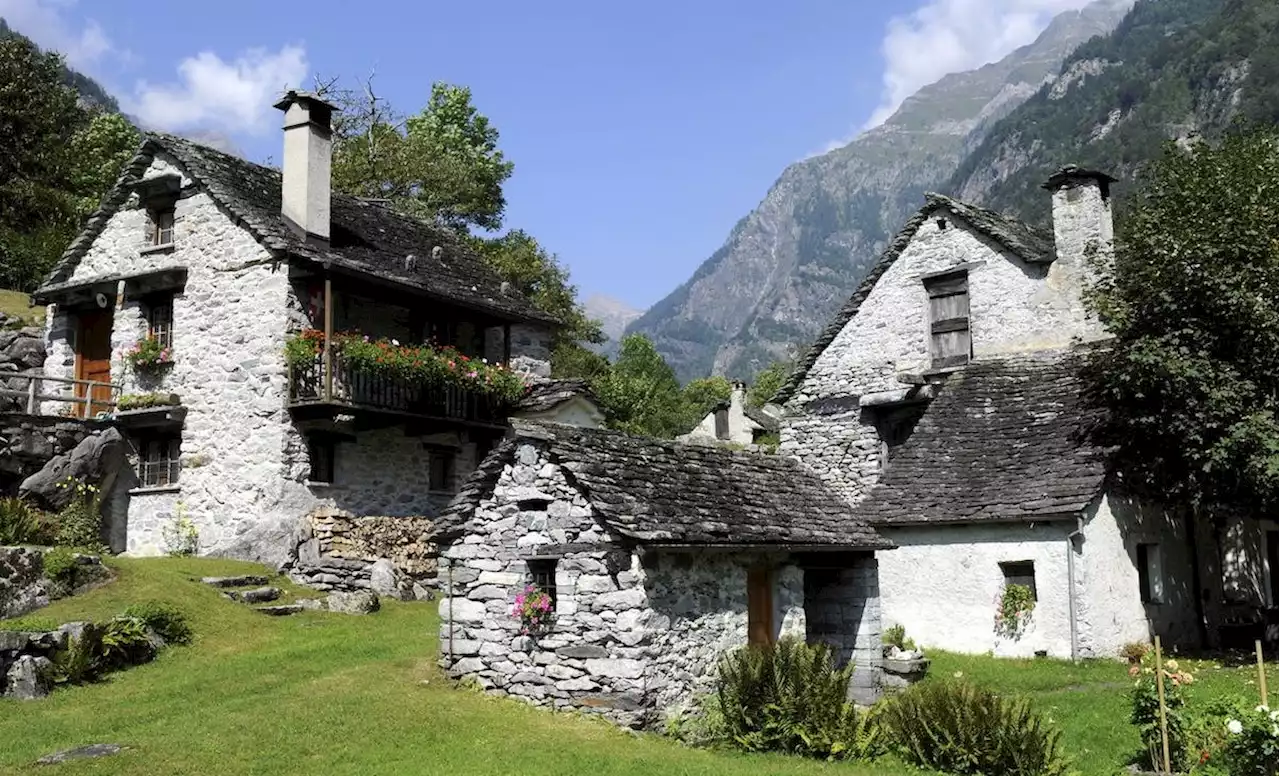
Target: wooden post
{"x":1262,"y":674}
{"x":31,"y":394}
{"x":328,"y":338}
{"x":1164,"y":724}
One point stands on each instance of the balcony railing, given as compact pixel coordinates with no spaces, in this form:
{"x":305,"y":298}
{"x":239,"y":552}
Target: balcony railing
{"x":359,"y":389}
{"x":75,"y":398}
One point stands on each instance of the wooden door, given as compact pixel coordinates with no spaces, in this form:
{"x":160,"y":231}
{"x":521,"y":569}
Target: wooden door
{"x":760,"y":607}
{"x":93,"y":359}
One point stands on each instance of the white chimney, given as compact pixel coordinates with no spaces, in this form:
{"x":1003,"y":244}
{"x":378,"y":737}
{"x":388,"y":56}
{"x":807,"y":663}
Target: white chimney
{"x":308,"y":158}
{"x":1082,"y":223}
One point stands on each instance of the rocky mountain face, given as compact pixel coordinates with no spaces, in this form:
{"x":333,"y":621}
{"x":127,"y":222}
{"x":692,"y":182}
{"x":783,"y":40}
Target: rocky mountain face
{"x":92,"y":95}
{"x":614,"y":315}
{"x":1172,"y":70}
{"x":790,"y":263}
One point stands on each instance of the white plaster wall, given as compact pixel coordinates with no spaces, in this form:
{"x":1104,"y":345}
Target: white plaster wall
{"x":1014,"y":307}
{"x":1112,"y":613}
{"x":943,"y":584}
{"x":741,"y":428}
{"x":574,"y":412}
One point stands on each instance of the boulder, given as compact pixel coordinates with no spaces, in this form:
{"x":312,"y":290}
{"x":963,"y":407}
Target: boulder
{"x":97,"y":460}
{"x":25,"y":351}
{"x":260,"y":595}
{"x":244,"y":580}
{"x":28,"y":678}
{"x":385,"y":580}
{"x":23,"y":587}
{"x":359,"y":602}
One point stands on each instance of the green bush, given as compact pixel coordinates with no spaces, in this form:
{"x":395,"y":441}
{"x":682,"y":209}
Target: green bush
{"x":167,"y":620}
{"x":957,"y":727}
{"x":21,"y":523}
{"x":788,"y":698}
{"x":1252,"y":745}
{"x":1145,"y":710}
{"x":896,"y":636}
{"x":125,"y":643}
{"x":80,"y":521}
{"x":81,"y":660}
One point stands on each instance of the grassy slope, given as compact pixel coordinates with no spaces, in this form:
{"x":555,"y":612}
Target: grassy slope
{"x":16,"y":303}
{"x":319,"y":693}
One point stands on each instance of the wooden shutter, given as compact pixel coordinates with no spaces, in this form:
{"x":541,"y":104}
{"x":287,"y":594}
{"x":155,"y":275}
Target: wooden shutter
{"x":949,"y":343}
{"x":759,"y":607}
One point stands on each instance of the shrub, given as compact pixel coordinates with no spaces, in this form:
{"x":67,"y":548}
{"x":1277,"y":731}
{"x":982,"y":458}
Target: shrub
{"x":1145,"y":711}
{"x":81,"y":660}
{"x":80,"y":521}
{"x":125,"y":643}
{"x":787,"y":697}
{"x":61,"y":568}
{"x":896,"y":636}
{"x":167,"y":620}
{"x":180,"y":535}
{"x":957,"y":727}
{"x":1134,"y":651}
{"x":21,"y":523}
{"x":1251,"y":748}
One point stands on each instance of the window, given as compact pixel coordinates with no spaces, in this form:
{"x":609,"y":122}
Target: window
{"x":895,"y":425}
{"x":949,"y":341}
{"x":1022,"y":572}
{"x":158,"y":460}
{"x":1150,"y":574}
{"x":441,"y":469}
{"x":722,"y":423}
{"x":160,"y":320}
{"x":322,"y":453}
{"x":162,"y":226}
{"x":542,"y":574}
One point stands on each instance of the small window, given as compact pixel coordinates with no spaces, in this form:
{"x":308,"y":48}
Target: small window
{"x":162,"y":226}
{"x":1021,"y":572}
{"x":1150,"y":574}
{"x":158,"y":460}
{"x":322,"y":453}
{"x":895,"y":426}
{"x":722,"y":423}
{"x":949,"y":340}
{"x":441,"y":474}
{"x":542,"y":575}
{"x":160,"y":320}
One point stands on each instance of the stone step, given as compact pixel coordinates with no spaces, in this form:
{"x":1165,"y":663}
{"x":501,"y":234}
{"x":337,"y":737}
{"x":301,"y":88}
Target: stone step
{"x":258,"y":595}
{"x":244,"y":580}
{"x":280,"y":610}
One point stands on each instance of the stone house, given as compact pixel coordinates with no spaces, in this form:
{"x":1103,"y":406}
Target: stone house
{"x":733,"y":421}
{"x":659,"y":556}
{"x":221,"y":262}
{"x":944,"y":403}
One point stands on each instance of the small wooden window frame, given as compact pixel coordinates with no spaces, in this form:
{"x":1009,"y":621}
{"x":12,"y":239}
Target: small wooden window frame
{"x":949,"y":290}
{"x":159,"y":309}
{"x":162,"y":218}
{"x":441,"y":468}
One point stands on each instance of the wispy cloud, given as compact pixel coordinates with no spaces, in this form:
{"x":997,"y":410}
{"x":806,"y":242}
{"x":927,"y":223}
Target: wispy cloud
{"x":47,"y":23}
{"x":951,"y":36}
{"x":211,"y":93}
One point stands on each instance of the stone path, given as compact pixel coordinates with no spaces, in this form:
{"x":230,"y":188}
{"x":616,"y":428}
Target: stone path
{"x":260,"y":595}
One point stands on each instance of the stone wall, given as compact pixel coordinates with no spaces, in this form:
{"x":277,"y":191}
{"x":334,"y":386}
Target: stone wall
{"x":842,"y":607}
{"x":23,"y":587}
{"x":22,"y":351}
{"x":531,"y":349}
{"x":636,"y":632}
{"x":1013,"y":306}
{"x":29,"y":442}
{"x":391,"y":555}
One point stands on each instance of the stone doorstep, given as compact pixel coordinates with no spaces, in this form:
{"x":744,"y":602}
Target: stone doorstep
{"x":244,"y":580}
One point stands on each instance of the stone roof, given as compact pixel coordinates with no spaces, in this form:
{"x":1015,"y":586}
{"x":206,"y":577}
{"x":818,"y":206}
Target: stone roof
{"x":1004,"y":440}
{"x":543,"y":395}
{"x":761,"y":418}
{"x":657,"y":491}
{"x":365,"y":238}
{"x":1024,"y":241}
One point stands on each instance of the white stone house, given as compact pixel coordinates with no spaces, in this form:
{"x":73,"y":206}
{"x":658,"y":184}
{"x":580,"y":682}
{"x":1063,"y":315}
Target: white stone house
{"x":660,"y":556}
{"x":733,"y":421}
{"x":944,"y":402}
{"x":222,"y":260}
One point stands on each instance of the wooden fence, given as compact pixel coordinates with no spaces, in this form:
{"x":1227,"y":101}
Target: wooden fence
{"x":86,"y":399}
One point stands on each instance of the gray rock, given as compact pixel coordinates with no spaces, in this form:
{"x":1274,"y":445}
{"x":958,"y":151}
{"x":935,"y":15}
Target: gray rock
{"x":385,"y":580}
{"x":310,"y":604}
{"x":241,"y":581}
{"x":28,"y":678}
{"x":423,"y":593}
{"x":583,"y":651}
{"x":282,"y":610}
{"x":80,"y":753}
{"x":361,"y":602}
{"x":26,"y":352}
{"x":260,"y":595}
{"x":97,"y":460}
{"x":23,"y":587}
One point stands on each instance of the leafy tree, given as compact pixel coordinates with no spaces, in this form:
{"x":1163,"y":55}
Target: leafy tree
{"x":98,"y":153}
{"x":640,"y":393}
{"x":767,"y":383}
{"x":441,"y":164}
{"x":700,"y":395}
{"x":1190,"y":380}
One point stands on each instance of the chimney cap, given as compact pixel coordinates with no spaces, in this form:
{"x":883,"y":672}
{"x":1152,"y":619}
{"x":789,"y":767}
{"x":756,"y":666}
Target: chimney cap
{"x":1073,"y":175}
{"x":299,"y":95}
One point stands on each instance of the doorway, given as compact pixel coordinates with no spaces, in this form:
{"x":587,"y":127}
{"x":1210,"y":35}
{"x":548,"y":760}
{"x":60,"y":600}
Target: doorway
{"x":759,"y":607}
{"x":93,"y":359}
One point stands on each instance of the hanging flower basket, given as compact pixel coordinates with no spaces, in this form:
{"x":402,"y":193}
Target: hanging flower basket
{"x":148,"y":354}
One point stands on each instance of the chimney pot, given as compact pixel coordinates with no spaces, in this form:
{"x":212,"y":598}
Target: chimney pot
{"x":305,"y":186}
{"x":1082,"y":224}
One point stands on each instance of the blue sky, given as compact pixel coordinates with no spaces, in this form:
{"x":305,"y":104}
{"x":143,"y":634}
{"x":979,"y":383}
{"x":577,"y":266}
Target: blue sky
{"x":641,"y":132}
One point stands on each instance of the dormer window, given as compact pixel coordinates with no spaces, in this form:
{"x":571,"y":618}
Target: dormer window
{"x":949,"y":340}
{"x":162,"y":226}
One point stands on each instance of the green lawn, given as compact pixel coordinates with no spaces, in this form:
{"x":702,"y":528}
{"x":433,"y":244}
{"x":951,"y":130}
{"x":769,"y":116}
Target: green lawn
{"x":321,"y":693}
{"x":16,"y":303}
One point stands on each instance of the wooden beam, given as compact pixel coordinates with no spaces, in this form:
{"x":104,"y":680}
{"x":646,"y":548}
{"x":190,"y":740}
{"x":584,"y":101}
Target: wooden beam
{"x":328,"y":337}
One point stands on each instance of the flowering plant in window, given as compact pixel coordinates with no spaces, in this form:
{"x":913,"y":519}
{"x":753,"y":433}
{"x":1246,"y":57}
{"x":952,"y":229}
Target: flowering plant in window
{"x":533,"y":609}
{"x":1013,"y":610}
{"x":148,"y":353}
{"x":427,"y":364}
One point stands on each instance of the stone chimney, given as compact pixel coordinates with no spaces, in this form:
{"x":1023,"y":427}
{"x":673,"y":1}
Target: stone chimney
{"x":308,"y":158}
{"x":1081,"y":214}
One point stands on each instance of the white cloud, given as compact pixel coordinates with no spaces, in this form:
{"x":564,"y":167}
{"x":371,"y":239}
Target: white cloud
{"x":951,"y":36}
{"x":46,"y":23}
{"x":214,"y":94}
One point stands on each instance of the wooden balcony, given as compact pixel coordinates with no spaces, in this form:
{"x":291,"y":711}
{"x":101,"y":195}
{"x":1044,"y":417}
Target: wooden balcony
{"x":381,"y":394}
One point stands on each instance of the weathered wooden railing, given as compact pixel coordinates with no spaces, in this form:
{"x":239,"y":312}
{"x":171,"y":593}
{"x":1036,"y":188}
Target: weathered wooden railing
{"x":86,"y":399}
{"x":355,"y":388}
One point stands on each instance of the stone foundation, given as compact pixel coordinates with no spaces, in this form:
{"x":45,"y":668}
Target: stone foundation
{"x":23,"y":587}
{"x":390,"y":555}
